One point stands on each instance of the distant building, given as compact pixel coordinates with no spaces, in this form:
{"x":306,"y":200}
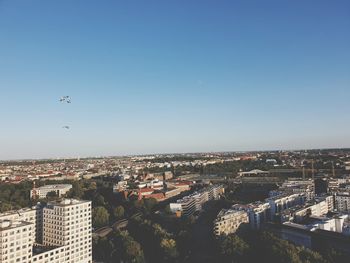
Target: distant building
{"x":342,"y":202}
{"x":254,"y":173}
{"x":280,"y":203}
{"x":301,"y":212}
{"x":229,"y":220}
{"x":120,"y":186}
{"x":258,"y":213}
{"x":194,"y":202}
{"x":299,"y":186}
{"x":58,"y":189}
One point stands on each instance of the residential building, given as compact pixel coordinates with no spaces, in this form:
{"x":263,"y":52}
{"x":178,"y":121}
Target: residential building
{"x":188,"y":205}
{"x":58,"y":189}
{"x":282,"y":202}
{"x":65,"y":228}
{"x":258,"y":213}
{"x":342,"y":202}
{"x":229,"y":220}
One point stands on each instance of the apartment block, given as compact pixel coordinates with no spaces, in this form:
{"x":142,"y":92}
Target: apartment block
{"x":258,"y":213}
{"x":282,"y":202}
{"x":342,"y":202}
{"x":188,"y":205}
{"x":58,"y":189}
{"x":229,"y":220}
{"x":65,"y":229}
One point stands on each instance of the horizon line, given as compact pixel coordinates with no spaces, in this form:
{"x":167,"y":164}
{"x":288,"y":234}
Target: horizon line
{"x":168,"y":153}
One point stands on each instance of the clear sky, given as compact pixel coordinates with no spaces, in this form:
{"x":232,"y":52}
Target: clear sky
{"x":172,"y":76}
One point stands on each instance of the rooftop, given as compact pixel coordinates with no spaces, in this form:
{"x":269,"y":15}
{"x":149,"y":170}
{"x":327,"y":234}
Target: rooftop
{"x":66,"y":202}
{"x":54,"y":186}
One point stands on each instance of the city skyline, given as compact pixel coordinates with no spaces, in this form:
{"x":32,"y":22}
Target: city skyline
{"x":172,"y":77}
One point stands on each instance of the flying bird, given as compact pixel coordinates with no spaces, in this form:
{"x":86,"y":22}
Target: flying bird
{"x":65,"y":99}
{"x":66,"y":127}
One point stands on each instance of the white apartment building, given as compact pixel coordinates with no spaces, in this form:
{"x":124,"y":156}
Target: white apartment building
{"x":16,"y":241}
{"x":30,"y":215}
{"x":342,"y":202}
{"x":258,"y":213}
{"x":298,"y":186}
{"x":41,"y":192}
{"x":331,"y":224}
{"x":317,"y":209}
{"x":68,"y":223}
{"x":229,"y":220}
{"x":194,"y":202}
{"x":66,"y":229}
{"x":280,"y":203}
{"x":328,"y":198}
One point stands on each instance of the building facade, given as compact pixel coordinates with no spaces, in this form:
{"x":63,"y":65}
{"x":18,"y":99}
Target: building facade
{"x":65,"y":227}
{"x":188,"y":205}
{"x":58,"y":189}
{"x":229,"y":220}
{"x":342,"y":202}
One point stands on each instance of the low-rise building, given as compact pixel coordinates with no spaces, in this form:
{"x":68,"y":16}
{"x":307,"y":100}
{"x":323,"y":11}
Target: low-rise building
{"x":58,"y":189}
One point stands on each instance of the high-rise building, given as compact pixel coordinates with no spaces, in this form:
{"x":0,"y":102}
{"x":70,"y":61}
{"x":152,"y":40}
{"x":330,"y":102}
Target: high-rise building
{"x":16,"y":241}
{"x":63,"y":226}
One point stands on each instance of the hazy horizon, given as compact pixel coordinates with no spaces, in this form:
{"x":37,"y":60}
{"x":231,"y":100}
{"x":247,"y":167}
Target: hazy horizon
{"x":182,"y":76}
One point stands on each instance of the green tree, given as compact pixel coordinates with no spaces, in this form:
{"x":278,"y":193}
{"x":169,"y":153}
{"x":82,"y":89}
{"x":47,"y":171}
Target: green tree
{"x":130,"y":250}
{"x":169,"y":249}
{"x":233,"y":248}
{"x":51,"y":195}
{"x":100,"y":216}
{"x":167,"y":210}
{"x":149,"y":204}
{"x":102,"y":249}
{"x":118,"y":212}
{"x":99,"y":200}
{"x":77,"y":190}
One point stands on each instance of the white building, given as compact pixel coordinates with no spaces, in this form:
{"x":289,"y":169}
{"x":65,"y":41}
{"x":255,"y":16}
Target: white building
{"x":317,"y":209}
{"x":280,"y":203}
{"x":31,"y":215}
{"x":342,"y":202}
{"x":194,"y":202}
{"x":299,"y":186}
{"x":120,"y":186}
{"x":229,"y":220}
{"x":58,"y":189}
{"x":16,"y":239}
{"x":253,"y":173}
{"x":66,"y":229}
{"x":258,"y":213}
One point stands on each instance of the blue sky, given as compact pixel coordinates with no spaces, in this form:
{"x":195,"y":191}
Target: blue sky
{"x":172,"y":76}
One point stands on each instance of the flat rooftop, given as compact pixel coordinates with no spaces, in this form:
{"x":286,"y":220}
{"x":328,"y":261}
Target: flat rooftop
{"x":7,"y":224}
{"x":54,"y":186}
{"x":67,"y":202}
